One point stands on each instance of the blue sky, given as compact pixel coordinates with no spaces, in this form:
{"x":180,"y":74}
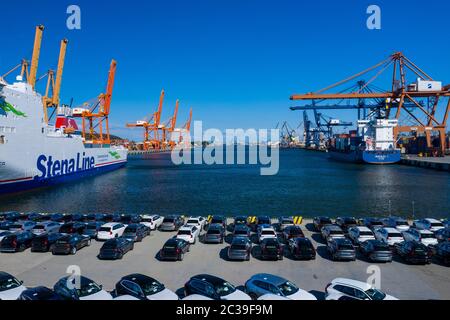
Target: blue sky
{"x":235,"y":62}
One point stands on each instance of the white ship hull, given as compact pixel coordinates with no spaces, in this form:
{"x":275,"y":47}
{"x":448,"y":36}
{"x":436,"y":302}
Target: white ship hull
{"x":34,"y":154}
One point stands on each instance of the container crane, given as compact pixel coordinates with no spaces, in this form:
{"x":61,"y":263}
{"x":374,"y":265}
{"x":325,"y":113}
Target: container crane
{"x":186,"y":128}
{"x":96,"y":113}
{"x":168,"y":127}
{"x":425,"y":95}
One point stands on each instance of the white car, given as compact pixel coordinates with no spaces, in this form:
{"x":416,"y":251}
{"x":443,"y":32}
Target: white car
{"x":348,"y":289}
{"x":424,"y":236}
{"x":360,"y":234}
{"x":429,"y":224}
{"x":199,"y":222}
{"x":391,"y":236}
{"x":188,"y":233}
{"x":398,"y":223}
{"x":126,"y":298}
{"x":271,"y":296}
{"x":153,"y":221}
{"x":110,"y":230}
{"x":165,"y":294}
{"x":196,"y":297}
{"x":10,"y":287}
{"x":266,"y":233}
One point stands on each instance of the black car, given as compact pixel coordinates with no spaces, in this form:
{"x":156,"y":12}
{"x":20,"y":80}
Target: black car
{"x":302,"y":249}
{"x":115,"y":217}
{"x":68,"y":288}
{"x":67,"y":218}
{"x":346,"y":222}
{"x":78,"y":217}
{"x":174,"y":249}
{"x":372,"y":223}
{"x":72,"y":228}
{"x":442,"y":252}
{"x":90,"y":217}
{"x":91,"y":229}
{"x":16,"y":242}
{"x":320,"y":222}
{"x":209,"y":286}
{"x":376,"y":251}
{"x":44,"y":243}
{"x":130,"y":218}
{"x":292,"y":232}
{"x":443,"y":234}
{"x":40,"y":294}
{"x":240,"y":220}
{"x":271,"y":249}
{"x":102,"y":217}
{"x":341,"y":249}
{"x":413,"y":252}
{"x":115,"y":248}
{"x":219,"y":220}
{"x":36,"y":217}
{"x":57,"y":217}
{"x":136,"y":232}
{"x":142,"y":287}
{"x":70,"y":244}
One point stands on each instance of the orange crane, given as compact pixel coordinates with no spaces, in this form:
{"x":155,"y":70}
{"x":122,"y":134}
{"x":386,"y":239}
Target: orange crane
{"x":419,"y":105}
{"x":96,"y":113}
{"x":168,"y":127}
{"x":186,"y":128}
{"x":151,"y":132}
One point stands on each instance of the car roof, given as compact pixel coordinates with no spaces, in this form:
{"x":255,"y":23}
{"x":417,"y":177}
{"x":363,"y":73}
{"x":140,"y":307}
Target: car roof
{"x":433,"y":220}
{"x":354,"y":283}
{"x":362,"y":228}
{"x":194,"y":217}
{"x":342,"y":241}
{"x":266,"y":277}
{"x":137,"y":277}
{"x":110,"y":224}
{"x":239,"y":240}
{"x":389,"y":229}
{"x":425,"y":231}
{"x":333,"y":227}
{"x":187,"y":227}
{"x":209,"y":278}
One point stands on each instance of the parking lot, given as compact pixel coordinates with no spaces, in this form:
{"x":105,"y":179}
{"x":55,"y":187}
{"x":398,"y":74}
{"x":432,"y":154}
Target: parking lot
{"x":397,"y":278}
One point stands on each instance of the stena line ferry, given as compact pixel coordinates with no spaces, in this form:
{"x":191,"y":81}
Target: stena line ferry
{"x":35,"y":153}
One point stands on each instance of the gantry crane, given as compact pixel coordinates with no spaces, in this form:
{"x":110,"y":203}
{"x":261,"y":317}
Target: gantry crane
{"x":152,"y":138}
{"x":96,"y":113}
{"x":186,"y":128}
{"x":168,"y":127}
{"x":418,"y":104}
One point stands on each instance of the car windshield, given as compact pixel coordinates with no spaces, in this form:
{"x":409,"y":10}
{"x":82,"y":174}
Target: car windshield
{"x":240,"y":232}
{"x":350,"y":221}
{"x":238,"y":247}
{"x":8,"y":283}
{"x":294,"y":231}
{"x":220,"y":221}
{"x":336,"y":232}
{"x":39,"y":228}
{"x":365,"y":233}
{"x":150,"y":286}
{"x":213,"y":231}
{"x":376,"y":223}
{"x":110,"y":245}
{"x":345,"y":247}
{"x":287,"y":222}
{"x":191,"y":221}
{"x":88,"y":289}
{"x":401,"y":223}
{"x":91,"y":227}
{"x":381,"y":247}
{"x":427,"y":236}
{"x":267,"y":232}
{"x":225,"y":288}
{"x":130,"y":230}
{"x":288,"y":288}
{"x":147,"y":220}
{"x":394,"y":235}
{"x":168,"y":220}
{"x":184,"y":232}
{"x":436,"y":224}
{"x":105,"y":229}
{"x":375,"y":294}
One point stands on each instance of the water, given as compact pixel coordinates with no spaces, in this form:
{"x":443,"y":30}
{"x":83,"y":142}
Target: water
{"x":308,"y":184}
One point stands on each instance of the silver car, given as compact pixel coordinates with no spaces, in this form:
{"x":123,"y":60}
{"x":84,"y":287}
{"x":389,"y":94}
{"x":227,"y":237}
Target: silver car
{"x":22,"y":226}
{"x":215,"y":234}
{"x":47,"y":227}
{"x":240,"y":249}
{"x":332,"y":232}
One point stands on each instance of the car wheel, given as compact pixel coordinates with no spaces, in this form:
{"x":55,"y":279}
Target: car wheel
{"x":195,"y":241}
{"x":22,"y":248}
{"x":181,"y":257}
{"x":253,"y":296}
{"x":73,"y":250}
{"x":280,"y":258}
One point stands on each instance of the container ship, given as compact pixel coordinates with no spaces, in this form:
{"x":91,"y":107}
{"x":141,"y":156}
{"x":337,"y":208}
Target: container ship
{"x":34,"y":152}
{"x":374,"y":145}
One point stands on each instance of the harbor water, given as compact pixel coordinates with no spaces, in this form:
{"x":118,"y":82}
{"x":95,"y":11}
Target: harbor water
{"x":308,"y":183}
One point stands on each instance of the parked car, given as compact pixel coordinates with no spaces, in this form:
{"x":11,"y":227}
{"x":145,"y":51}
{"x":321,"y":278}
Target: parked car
{"x":413,"y":252}
{"x":33,"y":216}
{"x":443,"y":234}
{"x":428,"y":224}
{"x":240,"y":249}
{"x":10,"y":287}
{"x":391,"y":236}
{"x":39,"y":294}
{"x":360,"y":234}
{"x":240,"y":220}
{"x":115,"y":217}
{"x":421,"y":235}
{"x":332,"y":232}
{"x":22,"y":226}
{"x":376,"y":251}
{"x":302,"y":249}
{"x":346,"y":222}
{"x":241,"y":230}
{"x":70,"y":244}
{"x":15,"y":216}
{"x":354,"y":290}
{"x":262,"y":221}
{"x":136,"y":232}
{"x":263,"y":283}
{"x":4,"y":234}
{"x":16,"y":242}
{"x":101,"y":217}
{"x":44,"y":242}
{"x":284,"y":222}
{"x":153,"y":221}
{"x":4,"y":226}
{"x":83,"y":288}
{"x":214,"y":288}
{"x":271,"y":248}
{"x":115,"y":248}
{"x":143,"y":287}
{"x":174,"y":249}
{"x":442,"y":252}
{"x":266,"y":232}
{"x":214,"y":234}
{"x":57,"y":217}
{"x":46,"y":227}
{"x":398,"y":223}
{"x":171,"y":223}
{"x":188,"y":233}
{"x":372,"y":223}
{"x":67,"y":218}
{"x":219,"y":220}
{"x":110,"y":230}
{"x":91,"y":229}
{"x":292,"y":232}
{"x":72,"y":228}
{"x":198,"y":222}
{"x":446,"y":223}
{"x":341,"y":249}
{"x":320,"y":222}
{"x":78,"y":217}
{"x":130,"y":218}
